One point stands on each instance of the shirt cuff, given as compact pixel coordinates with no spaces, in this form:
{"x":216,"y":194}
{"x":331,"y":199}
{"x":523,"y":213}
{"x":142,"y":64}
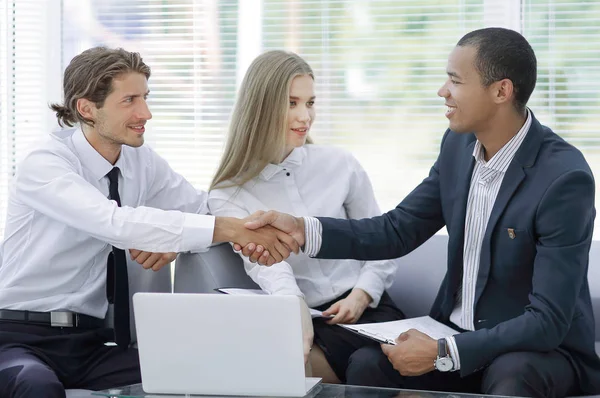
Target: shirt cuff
{"x":282,"y":290}
{"x":453,"y":350}
{"x":372,"y":285}
{"x":278,"y":279}
{"x":198,"y":231}
{"x":313,"y":231}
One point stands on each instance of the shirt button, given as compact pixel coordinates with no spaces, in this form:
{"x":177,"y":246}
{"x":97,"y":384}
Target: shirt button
{"x":287,"y":174}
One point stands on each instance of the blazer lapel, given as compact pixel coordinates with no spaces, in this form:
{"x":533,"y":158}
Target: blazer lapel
{"x":524,"y":158}
{"x":512,"y":179}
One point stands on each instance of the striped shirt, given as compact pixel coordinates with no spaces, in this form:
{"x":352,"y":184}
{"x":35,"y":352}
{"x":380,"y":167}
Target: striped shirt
{"x":486,"y":180}
{"x":485,"y":183}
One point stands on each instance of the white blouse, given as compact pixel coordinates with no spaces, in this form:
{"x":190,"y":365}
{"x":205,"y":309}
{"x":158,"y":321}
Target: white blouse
{"x":317,"y":181}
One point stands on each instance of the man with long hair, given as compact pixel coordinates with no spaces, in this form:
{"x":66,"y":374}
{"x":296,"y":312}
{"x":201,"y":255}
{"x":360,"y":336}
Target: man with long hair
{"x":78,"y":202}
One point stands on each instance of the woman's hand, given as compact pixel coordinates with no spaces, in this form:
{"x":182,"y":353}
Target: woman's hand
{"x":350,"y":309}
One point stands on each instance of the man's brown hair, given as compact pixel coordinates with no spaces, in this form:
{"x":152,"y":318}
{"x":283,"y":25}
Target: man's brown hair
{"x":90,"y":76}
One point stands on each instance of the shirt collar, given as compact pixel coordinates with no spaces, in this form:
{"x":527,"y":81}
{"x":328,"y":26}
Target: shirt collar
{"x":92,"y":160}
{"x":293,"y":160}
{"x":501,"y":160}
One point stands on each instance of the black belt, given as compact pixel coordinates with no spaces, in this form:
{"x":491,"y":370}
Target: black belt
{"x":65,"y":319}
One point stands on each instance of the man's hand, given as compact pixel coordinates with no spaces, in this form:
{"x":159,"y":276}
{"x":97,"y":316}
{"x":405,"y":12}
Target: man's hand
{"x":294,"y":226}
{"x":278,"y":244}
{"x":154,"y":261}
{"x":308,"y":333}
{"x":350,"y":309}
{"x":413,"y":354}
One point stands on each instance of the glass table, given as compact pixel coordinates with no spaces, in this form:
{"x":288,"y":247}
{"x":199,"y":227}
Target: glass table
{"x":320,"y":391}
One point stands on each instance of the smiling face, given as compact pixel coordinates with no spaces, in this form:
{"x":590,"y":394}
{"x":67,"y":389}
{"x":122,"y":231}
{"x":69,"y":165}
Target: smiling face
{"x":121,"y":119}
{"x":470,"y":105}
{"x":301,"y":113}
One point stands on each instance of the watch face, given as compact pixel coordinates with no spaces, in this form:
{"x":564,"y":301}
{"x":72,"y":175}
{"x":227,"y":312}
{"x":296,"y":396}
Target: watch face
{"x":444,"y":364}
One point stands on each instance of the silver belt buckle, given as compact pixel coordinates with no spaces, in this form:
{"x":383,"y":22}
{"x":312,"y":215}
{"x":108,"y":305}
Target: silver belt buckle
{"x":61,"y":319}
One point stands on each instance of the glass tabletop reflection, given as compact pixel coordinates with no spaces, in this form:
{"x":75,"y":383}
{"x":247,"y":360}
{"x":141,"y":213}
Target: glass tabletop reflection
{"x":320,"y":391}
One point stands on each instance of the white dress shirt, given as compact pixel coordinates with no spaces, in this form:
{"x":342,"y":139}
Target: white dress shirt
{"x":60,"y":223}
{"x":486,"y":180}
{"x":312,"y":180}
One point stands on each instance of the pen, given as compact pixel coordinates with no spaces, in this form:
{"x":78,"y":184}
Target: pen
{"x":376,"y":337}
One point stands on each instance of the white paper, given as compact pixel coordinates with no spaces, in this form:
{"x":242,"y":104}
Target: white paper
{"x":389,"y":331}
{"x":240,"y":292}
{"x":318,"y":314}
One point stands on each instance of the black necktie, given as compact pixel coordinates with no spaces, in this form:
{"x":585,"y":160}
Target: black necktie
{"x":117,"y":285}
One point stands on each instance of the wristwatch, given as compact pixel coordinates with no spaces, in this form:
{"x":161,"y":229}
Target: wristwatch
{"x":443,"y":362}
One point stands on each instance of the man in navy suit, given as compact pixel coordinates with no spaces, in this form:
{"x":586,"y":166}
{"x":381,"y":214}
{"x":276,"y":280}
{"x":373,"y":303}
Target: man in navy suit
{"x":518,"y":203}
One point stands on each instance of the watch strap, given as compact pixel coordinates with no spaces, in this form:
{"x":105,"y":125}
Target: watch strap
{"x":442,"y":348}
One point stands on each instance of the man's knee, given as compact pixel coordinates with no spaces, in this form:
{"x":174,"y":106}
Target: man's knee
{"x":30,"y":381}
{"x":33,"y":386}
{"x":513,"y":374}
{"x":366,"y":367}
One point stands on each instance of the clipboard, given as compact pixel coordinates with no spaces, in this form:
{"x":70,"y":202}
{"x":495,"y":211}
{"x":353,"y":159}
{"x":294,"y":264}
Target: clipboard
{"x":387,"y":332}
{"x":369,"y":335}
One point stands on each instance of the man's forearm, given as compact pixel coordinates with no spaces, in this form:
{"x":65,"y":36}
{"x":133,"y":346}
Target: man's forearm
{"x":227,"y":229}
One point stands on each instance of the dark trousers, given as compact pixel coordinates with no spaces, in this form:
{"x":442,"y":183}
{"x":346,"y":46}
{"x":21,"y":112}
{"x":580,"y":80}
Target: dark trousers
{"x":338,"y":343}
{"x":523,"y":374}
{"x":43,"y":361}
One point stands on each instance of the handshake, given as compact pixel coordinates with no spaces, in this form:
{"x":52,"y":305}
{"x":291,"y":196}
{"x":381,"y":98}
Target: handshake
{"x":264,"y":237}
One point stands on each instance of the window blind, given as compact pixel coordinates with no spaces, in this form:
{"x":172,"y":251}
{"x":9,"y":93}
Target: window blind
{"x":5,"y":154}
{"x":30,"y":70}
{"x":378,"y":66}
{"x":566,"y":39}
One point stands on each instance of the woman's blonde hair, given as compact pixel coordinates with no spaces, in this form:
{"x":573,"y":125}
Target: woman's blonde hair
{"x":259,"y":120}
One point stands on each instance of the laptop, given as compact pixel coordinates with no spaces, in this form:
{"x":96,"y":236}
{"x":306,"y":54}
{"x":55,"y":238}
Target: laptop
{"x":213,"y":344}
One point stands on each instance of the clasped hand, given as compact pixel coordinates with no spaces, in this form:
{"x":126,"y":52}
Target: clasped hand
{"x":153,"y":261}
{"x":266,"y":238}
{"x":271,"y":237}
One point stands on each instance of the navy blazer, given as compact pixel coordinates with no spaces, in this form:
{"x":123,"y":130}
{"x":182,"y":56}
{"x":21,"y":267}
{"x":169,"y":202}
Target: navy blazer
{"x":532,"y":292}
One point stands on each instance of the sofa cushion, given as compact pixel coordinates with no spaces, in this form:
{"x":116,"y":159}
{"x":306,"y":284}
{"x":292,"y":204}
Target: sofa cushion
{"x":203,"y":272}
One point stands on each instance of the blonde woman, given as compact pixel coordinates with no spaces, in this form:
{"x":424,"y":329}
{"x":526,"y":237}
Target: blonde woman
{"x":271,"y":163}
